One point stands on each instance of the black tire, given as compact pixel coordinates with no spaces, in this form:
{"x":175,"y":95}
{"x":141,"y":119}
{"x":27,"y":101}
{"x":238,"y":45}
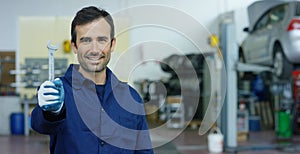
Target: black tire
{"x":241,"y":55}
{"x":243,"y":75}
{"x":282,"y":67}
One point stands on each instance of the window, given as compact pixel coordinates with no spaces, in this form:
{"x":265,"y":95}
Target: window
{"x":277,"y":14}
{"x":262,"y":22}
{"x":298,"y":9}
{"x":272,"y":16}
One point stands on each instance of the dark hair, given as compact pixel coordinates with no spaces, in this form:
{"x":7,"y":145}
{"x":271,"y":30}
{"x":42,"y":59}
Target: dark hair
{"x":87,"y":15}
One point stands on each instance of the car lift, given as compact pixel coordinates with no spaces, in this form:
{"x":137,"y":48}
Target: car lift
{"x":228,"y":117}
{"x":243,"y":67}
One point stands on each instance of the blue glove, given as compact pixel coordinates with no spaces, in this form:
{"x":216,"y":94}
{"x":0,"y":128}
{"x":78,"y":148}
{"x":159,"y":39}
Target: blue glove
{"x":51,"y":96}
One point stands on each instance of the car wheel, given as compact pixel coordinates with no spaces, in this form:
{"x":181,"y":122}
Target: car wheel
{"x":243,"y":75}
{"x":282,"y":67}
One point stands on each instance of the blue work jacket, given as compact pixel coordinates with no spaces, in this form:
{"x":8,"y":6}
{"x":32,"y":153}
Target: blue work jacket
{"x":95,"y":121}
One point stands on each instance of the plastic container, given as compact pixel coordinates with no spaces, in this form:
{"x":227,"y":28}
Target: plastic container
{"x":242,"y":118}
{"x":17,"y":123}
{"x":284,"y":129}
{"x":254,"y":123}
{"x":215,"y":140}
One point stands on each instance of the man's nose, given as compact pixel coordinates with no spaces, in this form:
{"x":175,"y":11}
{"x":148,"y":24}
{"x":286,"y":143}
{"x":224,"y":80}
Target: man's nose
{"x":96,"y":47}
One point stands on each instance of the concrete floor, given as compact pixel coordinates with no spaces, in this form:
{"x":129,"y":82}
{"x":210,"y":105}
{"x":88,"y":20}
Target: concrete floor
{"x":188,"y":142}
{"x":263,"y":142}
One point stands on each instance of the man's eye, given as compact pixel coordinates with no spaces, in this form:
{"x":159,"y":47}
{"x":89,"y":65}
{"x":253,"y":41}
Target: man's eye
{"x":85,"y":40}
{"x":102,"y":39}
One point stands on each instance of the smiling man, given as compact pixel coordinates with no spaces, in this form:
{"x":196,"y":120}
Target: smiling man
{"x":89,"y":110}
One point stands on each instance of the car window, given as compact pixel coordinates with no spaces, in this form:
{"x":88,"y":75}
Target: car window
{"x":277,"y":14}
{"x":272,"y":16}
{"x":262,"y":22}
{"x":298,"y":9}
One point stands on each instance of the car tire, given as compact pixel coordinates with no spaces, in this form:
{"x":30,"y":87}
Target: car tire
{"x":243,"y":75}
{"x":282,"y":67}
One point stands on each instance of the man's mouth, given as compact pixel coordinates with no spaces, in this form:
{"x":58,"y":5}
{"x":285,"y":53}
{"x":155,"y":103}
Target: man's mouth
{"x":95,"y":58}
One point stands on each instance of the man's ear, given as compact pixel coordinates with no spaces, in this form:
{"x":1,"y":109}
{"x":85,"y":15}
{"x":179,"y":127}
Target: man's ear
{"x":74,"y":47}
{"x":113,"y":43}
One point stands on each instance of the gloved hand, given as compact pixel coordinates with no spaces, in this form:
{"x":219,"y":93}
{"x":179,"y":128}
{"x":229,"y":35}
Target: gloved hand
{"x":51,"y":96}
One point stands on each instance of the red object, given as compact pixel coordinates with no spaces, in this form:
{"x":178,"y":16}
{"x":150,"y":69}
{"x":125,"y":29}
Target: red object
{"x":296,"y":85}
{"x":294,"y":24}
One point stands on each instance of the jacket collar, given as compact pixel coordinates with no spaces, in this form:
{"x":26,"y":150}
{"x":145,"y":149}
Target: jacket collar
{"x":77,"y":80}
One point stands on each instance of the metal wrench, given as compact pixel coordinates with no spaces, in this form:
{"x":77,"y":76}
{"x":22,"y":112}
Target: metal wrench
{"x":51,"y":50}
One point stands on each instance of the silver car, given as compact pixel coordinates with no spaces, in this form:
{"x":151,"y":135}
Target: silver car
{"x":274,"y":37}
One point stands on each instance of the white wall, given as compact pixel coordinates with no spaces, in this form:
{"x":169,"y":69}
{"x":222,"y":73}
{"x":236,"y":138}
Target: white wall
{"x":11,"y":10}
{"x":204,"y":12}
{"x":172,"y":33}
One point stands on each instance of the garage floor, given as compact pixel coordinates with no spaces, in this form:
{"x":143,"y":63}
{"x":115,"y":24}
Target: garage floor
{"x":188,"y":142}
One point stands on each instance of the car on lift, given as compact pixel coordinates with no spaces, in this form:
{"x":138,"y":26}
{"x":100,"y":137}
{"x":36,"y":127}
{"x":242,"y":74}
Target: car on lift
{"x":273,"y":37}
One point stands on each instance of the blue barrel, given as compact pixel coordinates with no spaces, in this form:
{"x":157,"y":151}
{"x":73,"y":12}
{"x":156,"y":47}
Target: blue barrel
{"x":17,"y":123}
{"x":254,"y":123}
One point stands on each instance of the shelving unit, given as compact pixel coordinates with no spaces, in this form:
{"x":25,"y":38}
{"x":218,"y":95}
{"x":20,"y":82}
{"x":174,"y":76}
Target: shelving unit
{"x":32,"y":74}
{"x":7,"y":63}
{"x":186,"y":80}
{"x":175,"y":112}
{"x":35,"y":71}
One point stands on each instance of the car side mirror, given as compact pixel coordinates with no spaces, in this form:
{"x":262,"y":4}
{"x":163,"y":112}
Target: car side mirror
{"x":246,"y":29}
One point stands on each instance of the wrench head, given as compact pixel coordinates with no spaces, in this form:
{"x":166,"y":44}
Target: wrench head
{"x":52,"y":47}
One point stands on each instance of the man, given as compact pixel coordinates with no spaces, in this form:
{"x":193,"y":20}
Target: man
{"x":89,"y":110}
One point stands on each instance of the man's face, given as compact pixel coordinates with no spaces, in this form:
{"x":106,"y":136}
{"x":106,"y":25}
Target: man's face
{"x":94,"y":45}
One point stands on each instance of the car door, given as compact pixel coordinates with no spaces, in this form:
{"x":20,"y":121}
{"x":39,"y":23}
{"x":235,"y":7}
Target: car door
{"x":257,"y":42}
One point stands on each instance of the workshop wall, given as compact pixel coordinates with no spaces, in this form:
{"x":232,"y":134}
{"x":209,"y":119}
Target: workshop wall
{"x":34,"y":34}
{"x":141,"y":42}
{"x":11,"y":10}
